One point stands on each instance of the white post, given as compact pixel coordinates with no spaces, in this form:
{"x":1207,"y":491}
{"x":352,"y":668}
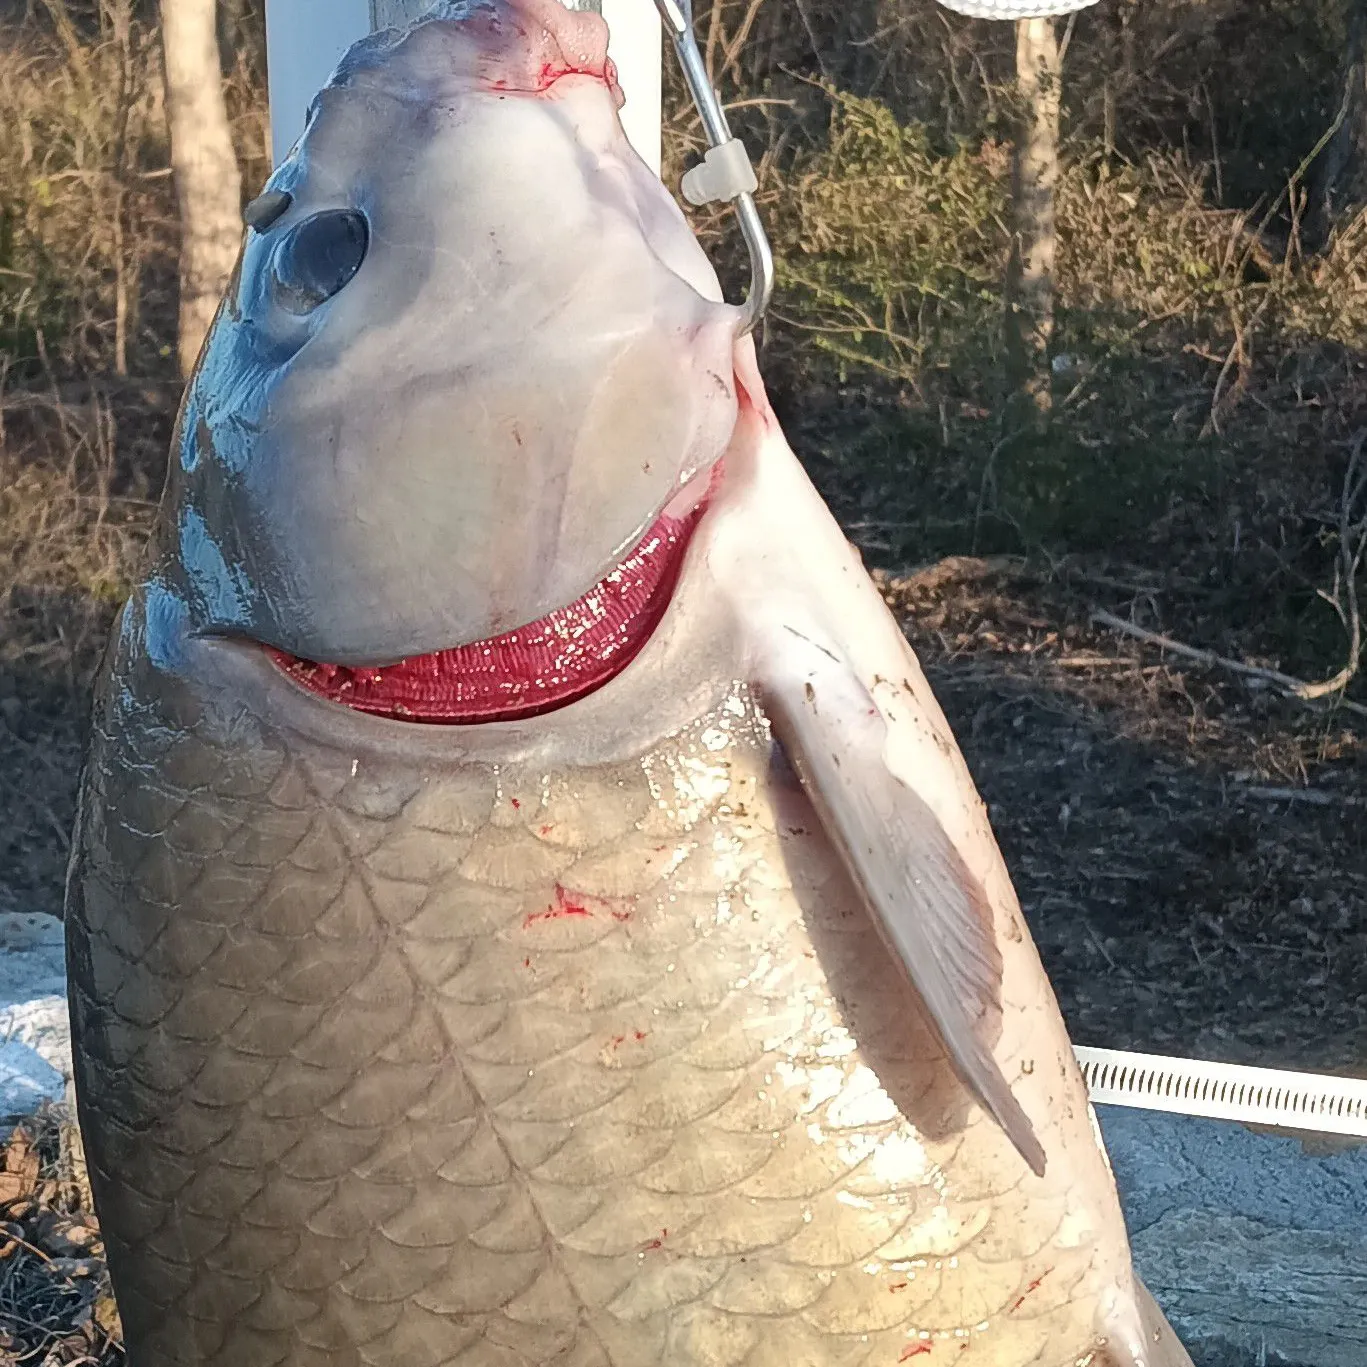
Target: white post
{"x":305,"y":39}
{"x":637,"y":47}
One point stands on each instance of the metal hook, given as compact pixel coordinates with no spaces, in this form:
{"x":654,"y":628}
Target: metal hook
{"x":726,"y":174}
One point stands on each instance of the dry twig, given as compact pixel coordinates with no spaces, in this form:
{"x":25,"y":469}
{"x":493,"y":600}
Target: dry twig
{"x":1290,"y":686}
{"x":1352,"y":546}
{"x":1343,"y":598}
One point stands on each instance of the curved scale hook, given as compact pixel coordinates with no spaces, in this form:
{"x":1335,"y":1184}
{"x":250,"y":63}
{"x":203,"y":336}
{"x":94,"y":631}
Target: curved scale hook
{"x":726,"y":174}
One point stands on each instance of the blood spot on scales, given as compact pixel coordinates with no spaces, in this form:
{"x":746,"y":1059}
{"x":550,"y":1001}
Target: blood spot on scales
{"x":651,"y":1245}
{"x":566,"y":904}
{"x":1029,"y":1290}
{"x":914,"y":1350}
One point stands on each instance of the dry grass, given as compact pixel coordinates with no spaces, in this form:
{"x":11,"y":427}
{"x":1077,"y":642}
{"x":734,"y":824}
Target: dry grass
{"x":1211,"y":375}
{"x":56,"y":1307}
{"x":69,"y":544}
{"x":89,"y":251}
{"x":72,"y":533}
{"x":88,"y":230}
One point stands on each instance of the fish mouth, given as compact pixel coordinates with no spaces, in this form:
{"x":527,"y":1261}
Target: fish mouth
{"x":537,"y":668}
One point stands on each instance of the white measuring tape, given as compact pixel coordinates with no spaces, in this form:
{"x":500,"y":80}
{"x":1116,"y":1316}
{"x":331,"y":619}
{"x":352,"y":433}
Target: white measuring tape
{"x":1226,"y":1091}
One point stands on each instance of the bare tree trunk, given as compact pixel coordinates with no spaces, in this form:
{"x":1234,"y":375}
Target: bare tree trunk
{"x":1338,"y":182}
{"x":208,"y":182}
{"x":1034,"y":176}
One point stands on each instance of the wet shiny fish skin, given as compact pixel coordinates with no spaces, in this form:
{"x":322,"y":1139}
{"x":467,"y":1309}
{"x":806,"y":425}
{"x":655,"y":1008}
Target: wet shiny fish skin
{"x":503,"y":1060}
{"x":603,"y":1037}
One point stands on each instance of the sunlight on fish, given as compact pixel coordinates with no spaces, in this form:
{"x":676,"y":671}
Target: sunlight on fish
{"x":528,"y":906}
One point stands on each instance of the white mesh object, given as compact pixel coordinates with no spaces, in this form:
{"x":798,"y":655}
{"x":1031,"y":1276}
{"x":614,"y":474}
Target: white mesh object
{"x":1015,"y":9}
{"x":1226,"y":1091}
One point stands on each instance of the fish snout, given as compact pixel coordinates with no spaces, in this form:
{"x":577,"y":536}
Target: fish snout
{"x":523,"y":46}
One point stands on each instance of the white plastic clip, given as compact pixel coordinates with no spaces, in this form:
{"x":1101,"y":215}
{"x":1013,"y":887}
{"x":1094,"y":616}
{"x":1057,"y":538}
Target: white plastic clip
{"x":724,"y":174}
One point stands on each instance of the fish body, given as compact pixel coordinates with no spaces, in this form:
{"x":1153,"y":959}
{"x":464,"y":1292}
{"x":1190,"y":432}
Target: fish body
{"x":670,"y":1003}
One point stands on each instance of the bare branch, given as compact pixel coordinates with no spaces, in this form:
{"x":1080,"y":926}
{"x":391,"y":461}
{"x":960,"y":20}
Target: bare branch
{"x":1288,"y":685}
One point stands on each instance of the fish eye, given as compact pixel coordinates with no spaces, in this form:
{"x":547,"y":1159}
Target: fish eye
{"x":317,"y":258}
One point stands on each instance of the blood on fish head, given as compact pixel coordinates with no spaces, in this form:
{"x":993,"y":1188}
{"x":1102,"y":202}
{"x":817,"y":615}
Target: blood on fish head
{"x":509,"y":45}
{"x":471,"y":356}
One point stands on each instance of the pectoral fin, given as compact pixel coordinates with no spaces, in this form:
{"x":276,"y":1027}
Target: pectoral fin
{"x":930,"y":909}
{"x":829,"y":662}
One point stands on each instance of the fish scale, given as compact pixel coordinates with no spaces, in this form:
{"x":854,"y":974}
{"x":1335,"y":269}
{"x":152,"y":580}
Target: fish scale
{"x":664,"y":1119}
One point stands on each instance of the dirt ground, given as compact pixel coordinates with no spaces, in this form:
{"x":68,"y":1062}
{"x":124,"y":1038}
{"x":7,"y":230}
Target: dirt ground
{"x":1191,"y":853}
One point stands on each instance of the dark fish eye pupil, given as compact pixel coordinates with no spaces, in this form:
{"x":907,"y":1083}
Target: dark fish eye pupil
{"x":318,"y":257}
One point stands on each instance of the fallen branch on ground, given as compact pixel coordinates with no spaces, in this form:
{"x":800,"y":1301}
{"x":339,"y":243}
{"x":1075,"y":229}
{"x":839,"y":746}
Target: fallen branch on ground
{"x":1311,"y":694}
{"x":1352,"y":550}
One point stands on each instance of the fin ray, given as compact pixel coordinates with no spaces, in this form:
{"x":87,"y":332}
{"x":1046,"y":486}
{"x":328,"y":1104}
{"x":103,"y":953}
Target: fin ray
{"x":932,"y":912}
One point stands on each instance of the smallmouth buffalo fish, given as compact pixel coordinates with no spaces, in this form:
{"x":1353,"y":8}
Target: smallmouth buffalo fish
{"x":527,"y":907}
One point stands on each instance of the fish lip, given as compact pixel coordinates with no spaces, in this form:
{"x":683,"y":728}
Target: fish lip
{"x":495,"y":48}
{"x":699,"y":487}
{"x":692,"y":491}
{"x":539,"y":667}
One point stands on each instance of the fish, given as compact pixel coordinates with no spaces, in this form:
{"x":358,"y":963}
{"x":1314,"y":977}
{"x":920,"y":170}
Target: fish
{"x":527,"y":906}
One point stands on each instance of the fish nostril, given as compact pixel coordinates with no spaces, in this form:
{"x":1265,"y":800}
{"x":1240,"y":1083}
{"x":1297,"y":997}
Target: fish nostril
{"x":267,"y":209}
{"x":318,"y":258}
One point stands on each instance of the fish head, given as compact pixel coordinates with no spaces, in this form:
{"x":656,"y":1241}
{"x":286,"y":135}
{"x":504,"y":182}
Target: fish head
{"x":471,"y":354}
